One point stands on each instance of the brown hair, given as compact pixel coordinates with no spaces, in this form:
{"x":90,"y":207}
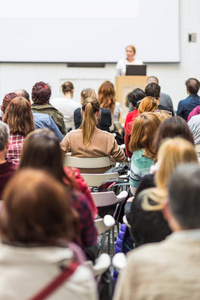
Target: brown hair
{"x":163,"y":114}
{"x":67,"y":87}
{"x":106,"y":95}
{"x":7,"y":99}
{"x":86,"y":93}
{"x":19,"y":117}
{"x":90,"y":107}
{"x":192,"y":85}
{"x":37,"y":210}
{"x":148,"y":104}
{"x":143,"y":130}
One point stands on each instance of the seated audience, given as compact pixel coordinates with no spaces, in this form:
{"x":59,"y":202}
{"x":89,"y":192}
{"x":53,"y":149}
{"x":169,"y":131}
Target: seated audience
{"x":7,"y":167}
{"x":41,"y":120}
{"x":133,"y":98}
{"x":193,"y":100}
{"x":148,"y":104}
{"x":88,"y":140}
{"x":165,"y":99}
{"x":153,"y":90}
{"x":6,"y":100}
{"x":41,"y":93}
{"x":169,"y":269}
{"x":19,"y":118}
{"x":106,"y":97}
{"x":42,"y":151}
{"x":194,"y":126}
{"x":104,"y":119}
{"x":38,"y":227}
{"x":66,"y":105}
{"x":143,"y":157}
{"x":146,"y":219}
{"x":194,"y":112}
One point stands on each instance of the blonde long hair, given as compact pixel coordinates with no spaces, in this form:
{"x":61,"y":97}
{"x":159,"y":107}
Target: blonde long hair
{"x":172,"y":152}
{"x":90,"y":107}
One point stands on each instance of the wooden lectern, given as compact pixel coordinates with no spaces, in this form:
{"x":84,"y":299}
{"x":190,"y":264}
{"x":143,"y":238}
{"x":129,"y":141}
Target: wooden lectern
{"x":124,"y":85}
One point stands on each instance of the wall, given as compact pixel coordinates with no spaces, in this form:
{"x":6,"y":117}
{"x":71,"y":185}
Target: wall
{"x":171,"y":76}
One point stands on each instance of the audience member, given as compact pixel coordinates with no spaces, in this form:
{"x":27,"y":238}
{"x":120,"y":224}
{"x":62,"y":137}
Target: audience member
{"x":41,"y":93}
{"x":153,"y":90}
{"x":66,"y":104}
{"x":193,"y":100}
{"x":145,"y":217}
{"x":6,"y":100}
{"x":7,"y":167}
{"x":194,"y":112}
{"x":165,"y":99}
{"x":42,"y":151}
{"x":194,"y":126}
{"x":169,"y":269}
{"x":38,"y":226}
{"x":106,"y":97}
{"x":104,"y":119}
{"x":143,"y":157}
{"x":19,"y":118}
{"x":88,"y":140}
{"x":148,"y":104}
{"x":41,"y":120}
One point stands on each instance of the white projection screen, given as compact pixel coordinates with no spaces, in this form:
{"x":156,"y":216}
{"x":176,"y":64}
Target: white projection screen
{"x":88,"y":31}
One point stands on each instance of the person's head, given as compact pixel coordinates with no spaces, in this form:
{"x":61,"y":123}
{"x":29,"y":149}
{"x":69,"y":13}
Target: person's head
{"x":23,"y":93}
{"x":130,"y":52}
{"x":153,"y":90}
{"x":135,"y":96}
{"x":170,"y":128}
{"x":42,"y":150}
{"x":68,"y":88}
{"x":163,"y":114}
{"x":37,"y":210}
{"x":106,"y":95}
{"x":90,"y":110}
{"x":151,"y":79}
{"x":183,"y":209}
{"x":87,"y":93}
{"x":148,"y":104}
{"x":173,"y":152}
{"x":192,"y":85}
{"x":143,"y":130}
{"x":4,"y":135}
{"x":7,"y":99}
{"x":19,"y":117}
{"x":41,"y":93}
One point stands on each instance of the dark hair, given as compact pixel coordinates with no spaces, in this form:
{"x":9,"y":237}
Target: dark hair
{"x":42,"y":150}
{"x":41,"y":92}
{"x":192,"y":85}
{"x":135,"y":96}
{"x":153,"y":90}
{"x":7,"y":99}
{"x":19,"y":117}
{"x":170,"y":128}
{"x":184,"y":196}
{"x":67,"y":87}
{"x":23,"y":93}
{"x":37,"y":210}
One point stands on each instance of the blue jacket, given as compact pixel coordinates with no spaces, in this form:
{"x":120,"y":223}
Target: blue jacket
{"x":187,"y":105}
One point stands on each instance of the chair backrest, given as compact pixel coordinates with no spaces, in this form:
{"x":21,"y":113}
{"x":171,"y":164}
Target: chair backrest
{"x":94,"y":180}
{"x":88,"y":163}
{"x":103,"y":199}
{"x":104,"y":224}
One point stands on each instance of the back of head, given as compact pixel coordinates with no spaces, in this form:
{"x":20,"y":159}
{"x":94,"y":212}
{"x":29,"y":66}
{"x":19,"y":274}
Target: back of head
{"x":143,"y":130}
{"x":37,"y":212}
{"x":23,"y":93}
{"x":151,"y":79}
{"x":173,"y":152}
{"x":184,"y":196}
{"x":192,"y":85}
{"x":135,"y":96}
{"x":67,"y":87}
{"x":106,"y":95}
{"x":7,"y":99}
{"x":4,"y":135}
{"x":41,"y":93}
{"x":148,"y":104}
{"x":170,"y":128}
{"x":90,"y":107}
{"x":163,"y":114}
{"x":153,"y":90}
{"x":19,"y":117}
{"x":87,"y":93}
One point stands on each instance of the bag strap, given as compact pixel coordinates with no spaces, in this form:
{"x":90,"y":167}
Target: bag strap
{"x":55,"y":283}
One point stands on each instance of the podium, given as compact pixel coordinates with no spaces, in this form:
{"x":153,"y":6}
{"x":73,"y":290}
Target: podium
{"x":123,"y":86}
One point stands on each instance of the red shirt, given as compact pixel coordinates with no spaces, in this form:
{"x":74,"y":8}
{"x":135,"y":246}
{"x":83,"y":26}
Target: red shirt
{"x":130,"y":117}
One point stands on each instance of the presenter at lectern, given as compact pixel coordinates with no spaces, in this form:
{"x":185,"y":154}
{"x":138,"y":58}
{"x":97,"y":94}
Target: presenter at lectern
{"x":129,"y":60}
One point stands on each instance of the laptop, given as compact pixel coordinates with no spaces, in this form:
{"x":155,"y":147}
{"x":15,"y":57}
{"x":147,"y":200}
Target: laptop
{"x":138,"y":70}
